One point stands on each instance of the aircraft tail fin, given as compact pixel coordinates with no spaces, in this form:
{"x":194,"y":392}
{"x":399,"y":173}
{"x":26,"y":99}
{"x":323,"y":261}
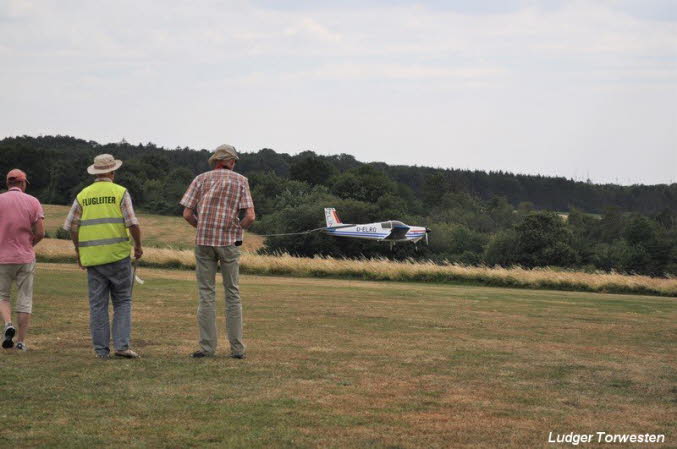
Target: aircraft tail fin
{"x":332,"y":217}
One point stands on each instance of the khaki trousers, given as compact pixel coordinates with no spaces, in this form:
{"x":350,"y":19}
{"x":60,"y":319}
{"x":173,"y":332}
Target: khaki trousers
{"x":207,"y":259}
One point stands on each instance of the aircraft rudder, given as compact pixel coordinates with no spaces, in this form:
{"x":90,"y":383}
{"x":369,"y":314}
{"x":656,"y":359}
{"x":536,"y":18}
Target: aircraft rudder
{"x":331,"y":217}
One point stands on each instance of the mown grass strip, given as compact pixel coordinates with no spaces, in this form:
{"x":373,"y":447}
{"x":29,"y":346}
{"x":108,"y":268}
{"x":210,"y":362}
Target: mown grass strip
{"x":52,"y":250}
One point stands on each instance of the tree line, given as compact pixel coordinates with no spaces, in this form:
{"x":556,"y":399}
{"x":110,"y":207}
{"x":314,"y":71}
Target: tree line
{"x":493,"y":218}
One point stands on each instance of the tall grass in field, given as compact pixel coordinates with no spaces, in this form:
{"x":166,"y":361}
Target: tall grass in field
{"x":159,"y":231}
{"x":51,"y":250}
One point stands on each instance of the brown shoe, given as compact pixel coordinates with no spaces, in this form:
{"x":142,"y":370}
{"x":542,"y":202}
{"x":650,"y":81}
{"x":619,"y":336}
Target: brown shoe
{"x":127,"y":353}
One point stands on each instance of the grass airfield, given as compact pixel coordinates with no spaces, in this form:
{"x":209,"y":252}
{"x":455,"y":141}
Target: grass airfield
{"x":344,"y":364}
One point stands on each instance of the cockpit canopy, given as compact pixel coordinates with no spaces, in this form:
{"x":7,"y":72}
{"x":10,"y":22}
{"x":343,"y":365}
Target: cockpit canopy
{"x":392,"y":224}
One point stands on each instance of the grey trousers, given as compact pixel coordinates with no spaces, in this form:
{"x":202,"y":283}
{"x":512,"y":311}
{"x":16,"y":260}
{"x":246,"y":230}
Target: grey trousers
{"x":112,"y":280}
{"x":207,"y":258}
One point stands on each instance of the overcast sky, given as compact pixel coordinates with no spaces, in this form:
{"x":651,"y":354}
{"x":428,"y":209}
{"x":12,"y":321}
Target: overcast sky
{"x":570,"y":88}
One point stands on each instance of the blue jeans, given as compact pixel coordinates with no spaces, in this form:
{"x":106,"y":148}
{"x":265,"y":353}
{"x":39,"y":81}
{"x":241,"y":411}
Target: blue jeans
{"x":112,"y":280}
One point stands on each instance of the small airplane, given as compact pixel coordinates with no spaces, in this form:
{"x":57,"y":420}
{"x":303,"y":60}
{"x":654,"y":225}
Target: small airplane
{"x":388,"y":231}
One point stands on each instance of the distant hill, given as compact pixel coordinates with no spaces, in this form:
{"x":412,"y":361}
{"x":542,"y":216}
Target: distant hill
{"x":56,"y":167}
{"x":158,"y":231}
{"x":476,"y":217}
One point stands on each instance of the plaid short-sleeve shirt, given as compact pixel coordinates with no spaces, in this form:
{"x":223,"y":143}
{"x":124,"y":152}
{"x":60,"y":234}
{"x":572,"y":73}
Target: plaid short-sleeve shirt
{"x":217,"y":197}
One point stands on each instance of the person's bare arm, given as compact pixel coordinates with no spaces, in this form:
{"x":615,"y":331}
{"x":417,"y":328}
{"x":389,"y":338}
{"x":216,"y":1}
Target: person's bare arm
{"x":136,"y":235}
{"x":74,"y":238}
{"x":249,"y":217}
{"x":38,"y":229}
{"x":189,"y":216}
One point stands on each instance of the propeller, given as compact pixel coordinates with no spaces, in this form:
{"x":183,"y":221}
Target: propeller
{"x":427,"y":231}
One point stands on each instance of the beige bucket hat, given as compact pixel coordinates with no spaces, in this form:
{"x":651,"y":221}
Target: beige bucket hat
{"x":104,"y":163}
{"x":223,"y":153}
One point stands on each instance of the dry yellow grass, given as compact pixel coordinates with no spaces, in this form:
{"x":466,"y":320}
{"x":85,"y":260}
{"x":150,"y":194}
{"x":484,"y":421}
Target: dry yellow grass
{"x":386,"y":270}
{"x":158,"y":231}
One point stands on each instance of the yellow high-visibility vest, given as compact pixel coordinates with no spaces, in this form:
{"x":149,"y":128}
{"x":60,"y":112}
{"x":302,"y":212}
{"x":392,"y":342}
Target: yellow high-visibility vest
{"x":102,"y":235}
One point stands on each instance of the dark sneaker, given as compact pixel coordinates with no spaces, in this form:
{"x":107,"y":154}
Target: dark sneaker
{"x":21,"y":346}
{"x":9,"y":334}
{"x":103,"y":356}
{"x":127,"y":353}
{"x":200,"y":354}
{"x":238,"y":356}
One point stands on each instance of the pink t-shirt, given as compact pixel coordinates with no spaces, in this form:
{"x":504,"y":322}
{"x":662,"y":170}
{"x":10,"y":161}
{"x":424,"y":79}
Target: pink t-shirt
{"x":18,"y":213}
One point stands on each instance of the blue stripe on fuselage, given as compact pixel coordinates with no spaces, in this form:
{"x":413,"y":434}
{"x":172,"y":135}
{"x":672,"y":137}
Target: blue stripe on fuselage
{"x":363,"y":234}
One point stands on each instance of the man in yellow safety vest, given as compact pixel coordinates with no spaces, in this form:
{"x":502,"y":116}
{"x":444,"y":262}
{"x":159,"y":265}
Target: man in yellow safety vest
{"x":100,"y":221}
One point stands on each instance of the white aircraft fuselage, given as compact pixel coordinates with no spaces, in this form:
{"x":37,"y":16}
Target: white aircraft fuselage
{"x":388,"y":231}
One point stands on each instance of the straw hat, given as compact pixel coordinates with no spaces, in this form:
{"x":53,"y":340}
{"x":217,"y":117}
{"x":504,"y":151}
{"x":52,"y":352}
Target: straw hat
{"x":104,"y":163}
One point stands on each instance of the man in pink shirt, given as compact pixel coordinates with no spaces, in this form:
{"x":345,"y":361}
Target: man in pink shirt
{"x":21,"y":228}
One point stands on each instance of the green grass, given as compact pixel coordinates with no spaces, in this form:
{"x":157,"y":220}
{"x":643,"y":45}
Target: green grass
{"x":344,"y":364}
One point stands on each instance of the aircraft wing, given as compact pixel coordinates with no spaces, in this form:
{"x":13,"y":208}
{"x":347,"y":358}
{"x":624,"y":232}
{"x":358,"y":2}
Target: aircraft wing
{"x":398,"y":233}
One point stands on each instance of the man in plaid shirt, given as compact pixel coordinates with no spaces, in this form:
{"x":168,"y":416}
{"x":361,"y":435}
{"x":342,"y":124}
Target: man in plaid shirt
{"x":212,"y":204}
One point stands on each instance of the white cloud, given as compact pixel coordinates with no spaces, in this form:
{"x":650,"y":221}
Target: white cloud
{"x":313,"y":29}
{"x":391,"y":76}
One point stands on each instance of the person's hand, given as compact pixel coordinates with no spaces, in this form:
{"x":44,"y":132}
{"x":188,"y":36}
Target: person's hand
{"x":79,"y":263}
{"x":138,"y":252}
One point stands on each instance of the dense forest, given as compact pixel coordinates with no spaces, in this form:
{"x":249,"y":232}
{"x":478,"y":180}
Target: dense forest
{"x":476,"y":217}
